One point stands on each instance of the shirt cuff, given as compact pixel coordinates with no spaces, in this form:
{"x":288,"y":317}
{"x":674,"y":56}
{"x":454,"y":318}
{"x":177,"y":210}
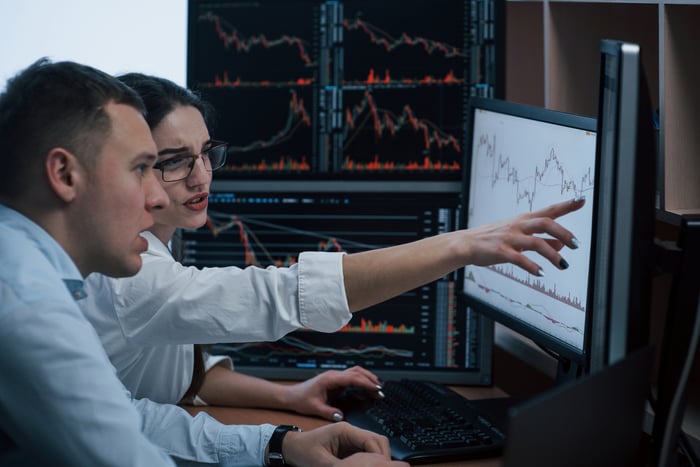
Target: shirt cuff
{"x":323,"y":304}
{"x":210,"y":361}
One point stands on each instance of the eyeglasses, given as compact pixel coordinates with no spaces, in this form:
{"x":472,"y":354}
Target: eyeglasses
{"x":180,"y":167}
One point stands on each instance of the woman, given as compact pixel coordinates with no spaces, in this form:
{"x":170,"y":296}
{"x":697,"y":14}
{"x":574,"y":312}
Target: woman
{"x":148,"y":322}
{"x":168,"y":369}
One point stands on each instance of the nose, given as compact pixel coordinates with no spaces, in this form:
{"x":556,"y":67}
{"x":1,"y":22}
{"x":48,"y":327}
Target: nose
{"x":156,"y":197}
{"x":200,"y":175}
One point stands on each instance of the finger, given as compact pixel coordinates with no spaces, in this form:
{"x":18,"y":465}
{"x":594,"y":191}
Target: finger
{"x":544,"y":248}
{"x":356,"y":439}
{"x":366,"y":373}
{"x":559,"y":209}
{"x":377,"y":443}
{"x":545,"y":225}
{"x":525,"y":263}
{"x":357,"y":379}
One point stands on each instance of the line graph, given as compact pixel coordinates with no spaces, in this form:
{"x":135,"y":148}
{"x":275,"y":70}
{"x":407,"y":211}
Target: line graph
{"x":300,"y":348}
{"x":549,"y":173}
{"x":297,"y":116}
{"x":385,"y":121}
{"x":328,"y":56}
{"x":389,"y":43}
{"x":230,"y":36}
{"x":380,"y":132}
{"x":519,"y":165}
{"x":572,"y":327}
{"x":256,"y":251}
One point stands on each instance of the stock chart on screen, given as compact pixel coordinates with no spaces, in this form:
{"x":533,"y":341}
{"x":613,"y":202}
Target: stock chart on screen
{"x":360,"y":88}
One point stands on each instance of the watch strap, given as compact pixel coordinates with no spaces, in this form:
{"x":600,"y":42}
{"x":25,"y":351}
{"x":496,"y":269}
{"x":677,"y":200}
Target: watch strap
{"x":274,"y":446}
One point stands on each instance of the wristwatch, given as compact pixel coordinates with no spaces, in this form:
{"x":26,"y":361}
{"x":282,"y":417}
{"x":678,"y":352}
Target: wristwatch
{"x":274,"y":446}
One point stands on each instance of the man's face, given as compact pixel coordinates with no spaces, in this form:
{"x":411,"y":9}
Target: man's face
{"x":120,"y":192}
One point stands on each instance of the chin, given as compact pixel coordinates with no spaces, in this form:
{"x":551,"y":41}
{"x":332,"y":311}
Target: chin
{"x":126,"y":267}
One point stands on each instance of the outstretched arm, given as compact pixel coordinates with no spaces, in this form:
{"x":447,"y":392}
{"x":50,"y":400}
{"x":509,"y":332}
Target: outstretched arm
{"x":230,"y":388}
{"x":377,"y":275}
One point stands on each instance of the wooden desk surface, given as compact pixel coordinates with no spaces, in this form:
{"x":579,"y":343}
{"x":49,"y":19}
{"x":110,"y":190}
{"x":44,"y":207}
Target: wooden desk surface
{"x":240,"y":416}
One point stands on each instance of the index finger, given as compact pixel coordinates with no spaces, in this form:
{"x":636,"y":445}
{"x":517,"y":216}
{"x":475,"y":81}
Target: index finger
{"x":559,"y":209}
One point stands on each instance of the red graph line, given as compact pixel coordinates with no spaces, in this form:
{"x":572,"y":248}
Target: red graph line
{"x":386,"y":40}
{"x":384,"y":120}
{"x":296,"y":117}
{"x":502,"y":170}
{"x":245,"y":235}
{"x":242,"y":44}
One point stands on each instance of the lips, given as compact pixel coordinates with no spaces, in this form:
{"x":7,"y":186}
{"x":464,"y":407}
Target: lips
{"x":197,"y":203}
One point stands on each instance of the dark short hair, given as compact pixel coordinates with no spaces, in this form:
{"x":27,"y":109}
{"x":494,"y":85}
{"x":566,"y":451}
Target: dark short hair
{"x":50,"y":105}
{"x":161,"y":96}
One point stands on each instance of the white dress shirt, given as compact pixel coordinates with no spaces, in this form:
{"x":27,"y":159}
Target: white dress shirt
{"x":60,"y":400}
{"x":61,"y":403}
{"x":149,"y":322}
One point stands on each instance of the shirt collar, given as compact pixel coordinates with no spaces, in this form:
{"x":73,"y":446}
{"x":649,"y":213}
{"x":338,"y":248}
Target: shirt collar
{"x":155,"y":245}
{"x":49,"y":247}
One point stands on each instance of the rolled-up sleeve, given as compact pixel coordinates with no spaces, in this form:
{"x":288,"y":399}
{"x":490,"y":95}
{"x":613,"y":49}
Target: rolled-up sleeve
{"x":322,"y":288}
{"x":168,"y":303}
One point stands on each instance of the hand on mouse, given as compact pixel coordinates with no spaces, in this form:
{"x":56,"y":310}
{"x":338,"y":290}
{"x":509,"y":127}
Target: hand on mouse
{"x":311,"y":397}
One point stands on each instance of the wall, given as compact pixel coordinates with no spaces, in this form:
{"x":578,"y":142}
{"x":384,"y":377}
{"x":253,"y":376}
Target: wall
{"x":114,"y":35}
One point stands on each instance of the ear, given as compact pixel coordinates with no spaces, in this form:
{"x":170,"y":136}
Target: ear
{"x":63,"y":171}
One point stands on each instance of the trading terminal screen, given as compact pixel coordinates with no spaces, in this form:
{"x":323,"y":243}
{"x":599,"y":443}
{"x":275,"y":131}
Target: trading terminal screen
{"x":424,"y":333}
{"x":363,"y":89}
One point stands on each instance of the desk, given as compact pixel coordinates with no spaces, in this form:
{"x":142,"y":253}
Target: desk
{"x":240,"y":416}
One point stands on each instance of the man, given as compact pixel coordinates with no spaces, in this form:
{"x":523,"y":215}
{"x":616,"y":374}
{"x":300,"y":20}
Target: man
{"x":76,"y":188}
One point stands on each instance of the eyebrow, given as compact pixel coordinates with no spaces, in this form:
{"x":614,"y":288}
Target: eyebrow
{"x":181,"y":149}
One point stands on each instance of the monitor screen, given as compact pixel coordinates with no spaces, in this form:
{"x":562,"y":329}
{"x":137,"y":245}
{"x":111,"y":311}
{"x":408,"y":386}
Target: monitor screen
{"x":420,"y":334}
{"x":521,"y":159}
{"x":361,"y":88}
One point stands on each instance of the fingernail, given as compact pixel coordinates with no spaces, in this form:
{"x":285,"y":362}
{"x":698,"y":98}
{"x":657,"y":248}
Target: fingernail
{"x":563,"y":264}
{"x":579,"y":198}
{"x":378,"y":386}
{"x":575,"y":242}
{"x":337,"y":417}
{"x":540,"y":273}
{"x":381,"y":394}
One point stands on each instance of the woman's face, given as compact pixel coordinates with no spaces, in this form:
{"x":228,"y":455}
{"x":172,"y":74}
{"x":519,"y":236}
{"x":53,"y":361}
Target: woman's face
{"x":183,"y":132}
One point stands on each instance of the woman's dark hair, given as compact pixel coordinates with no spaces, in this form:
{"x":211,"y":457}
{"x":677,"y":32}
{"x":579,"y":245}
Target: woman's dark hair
{"x":161,"y":96}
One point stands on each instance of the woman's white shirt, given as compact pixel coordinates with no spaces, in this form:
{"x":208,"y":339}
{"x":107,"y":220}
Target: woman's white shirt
{"x":147,"y":322}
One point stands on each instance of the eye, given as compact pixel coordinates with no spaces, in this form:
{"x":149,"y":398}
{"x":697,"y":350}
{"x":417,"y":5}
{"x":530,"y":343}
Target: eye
{"x":174,"y":163}
{"x":142,"y":168}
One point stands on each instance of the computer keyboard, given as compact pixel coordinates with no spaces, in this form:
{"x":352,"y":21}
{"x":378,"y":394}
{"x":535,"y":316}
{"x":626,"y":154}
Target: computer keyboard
{"x":427,"y":422}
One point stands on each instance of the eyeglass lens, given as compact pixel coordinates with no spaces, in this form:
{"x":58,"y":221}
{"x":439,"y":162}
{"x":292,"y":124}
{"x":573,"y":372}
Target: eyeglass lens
{"x":179,"y":168}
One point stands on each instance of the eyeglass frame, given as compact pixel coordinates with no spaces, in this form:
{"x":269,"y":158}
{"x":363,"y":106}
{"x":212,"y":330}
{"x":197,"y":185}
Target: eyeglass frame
{"x":215,"y":144}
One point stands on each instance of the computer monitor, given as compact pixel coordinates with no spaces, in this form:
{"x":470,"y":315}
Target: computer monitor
{"x":625,"y":212}
{"x":338,"y":89}
{"x":419,"y":335}
{"x":521,"y":159}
